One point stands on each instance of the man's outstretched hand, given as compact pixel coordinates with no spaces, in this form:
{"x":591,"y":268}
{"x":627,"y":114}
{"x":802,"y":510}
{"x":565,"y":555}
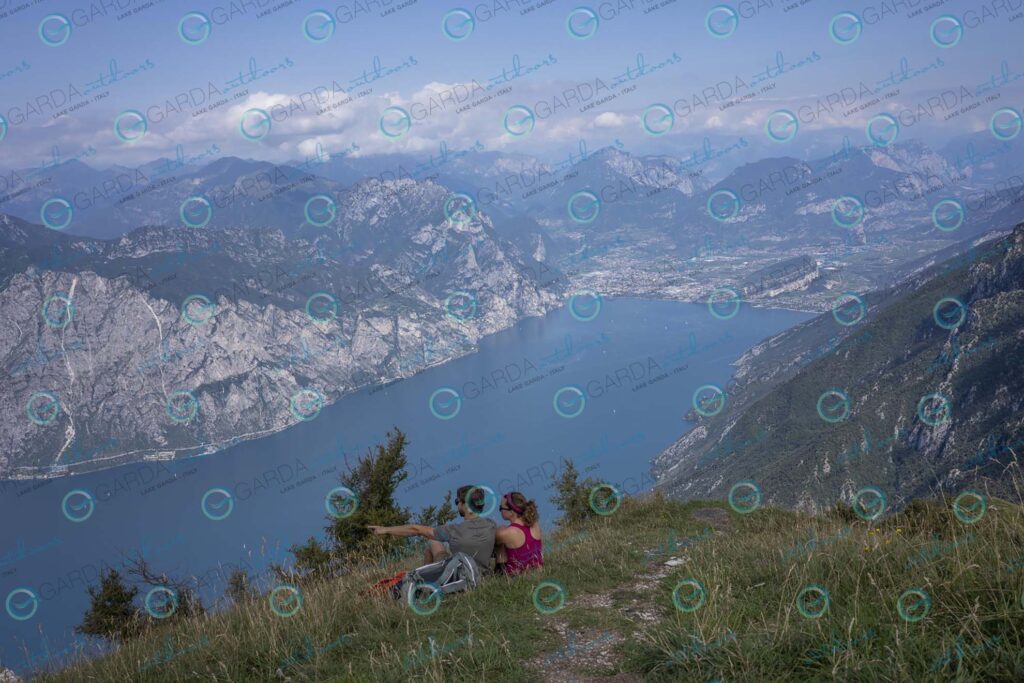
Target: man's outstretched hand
{"x":378,"y":530}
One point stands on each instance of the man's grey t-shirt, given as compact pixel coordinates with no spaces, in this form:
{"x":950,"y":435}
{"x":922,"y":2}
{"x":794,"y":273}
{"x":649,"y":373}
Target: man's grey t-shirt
{"x":475,"y":537}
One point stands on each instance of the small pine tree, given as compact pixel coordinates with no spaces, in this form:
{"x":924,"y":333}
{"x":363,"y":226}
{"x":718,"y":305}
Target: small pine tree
{"x":312,"y":561}
{"x":437,"y":516}
{"x":573,"y":497}
{"x":112,"y":614}
{"x":239,"y":588}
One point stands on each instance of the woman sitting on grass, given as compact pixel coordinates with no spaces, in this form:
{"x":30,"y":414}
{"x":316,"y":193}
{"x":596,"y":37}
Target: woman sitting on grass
{"x":518,"y":546}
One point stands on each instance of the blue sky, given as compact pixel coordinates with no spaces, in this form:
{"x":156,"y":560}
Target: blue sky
{"x":673,"y":38}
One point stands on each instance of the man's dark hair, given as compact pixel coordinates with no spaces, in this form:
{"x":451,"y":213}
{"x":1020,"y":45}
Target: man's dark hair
{"x":476,"y":498}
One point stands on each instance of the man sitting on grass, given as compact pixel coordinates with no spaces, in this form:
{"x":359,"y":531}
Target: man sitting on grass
{"x":474,"y":536}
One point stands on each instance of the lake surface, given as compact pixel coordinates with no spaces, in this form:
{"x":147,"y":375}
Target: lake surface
{"x":633,"y":370}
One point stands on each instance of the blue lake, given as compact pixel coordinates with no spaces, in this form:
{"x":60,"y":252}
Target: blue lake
{"x":635,"y":367}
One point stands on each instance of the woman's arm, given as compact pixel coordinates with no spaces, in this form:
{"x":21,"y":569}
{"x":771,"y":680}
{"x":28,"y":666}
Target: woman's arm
{"x":405,"y":530}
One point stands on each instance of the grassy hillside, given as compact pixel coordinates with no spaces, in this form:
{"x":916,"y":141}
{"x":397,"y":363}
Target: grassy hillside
{"x":620,"y":622}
